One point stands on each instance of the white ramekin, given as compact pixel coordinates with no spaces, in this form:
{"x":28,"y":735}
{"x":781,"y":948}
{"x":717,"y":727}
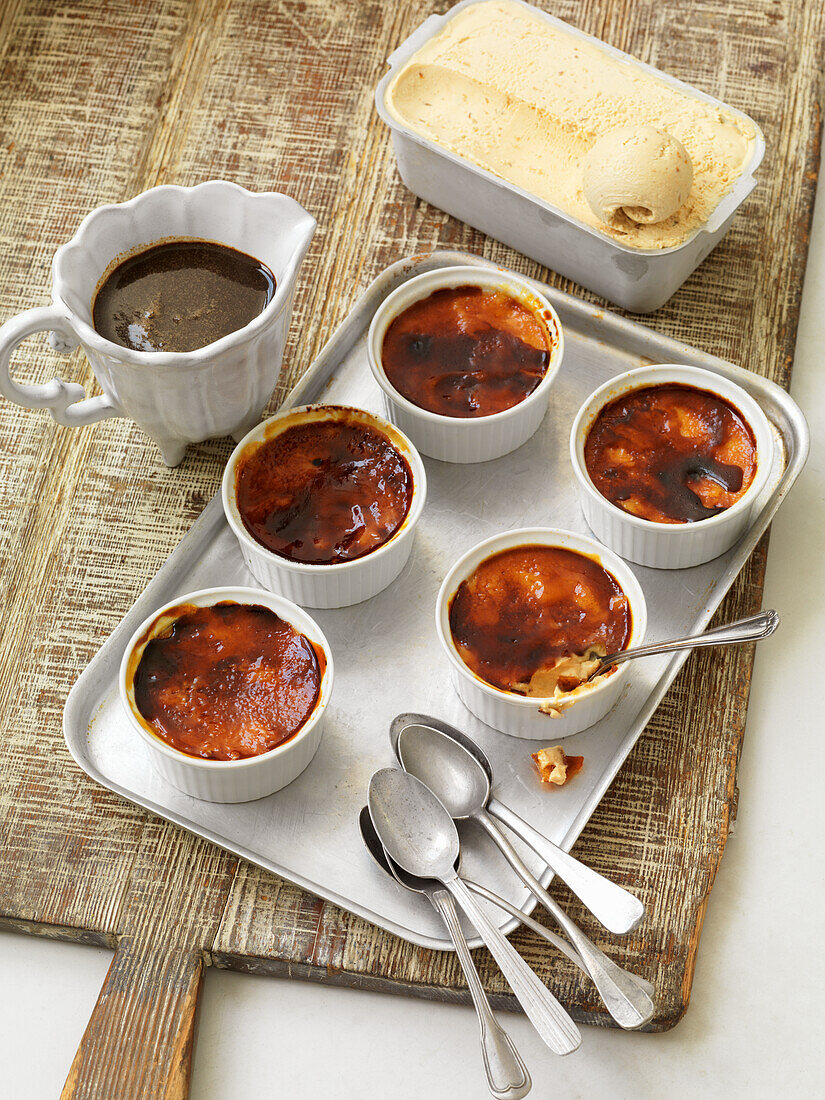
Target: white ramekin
{"x":342,"y":583}
{"x":516,"y":714}
{"x":230,"y":780}
{"x":451,"y":438}
{"x":669,"y":545}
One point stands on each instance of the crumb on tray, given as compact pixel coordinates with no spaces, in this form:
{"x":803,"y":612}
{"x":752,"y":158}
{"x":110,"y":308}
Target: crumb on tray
{"x":555,"y":767}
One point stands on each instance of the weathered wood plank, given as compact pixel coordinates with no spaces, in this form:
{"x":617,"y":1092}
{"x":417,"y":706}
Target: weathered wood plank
{"x":140,"y":1037}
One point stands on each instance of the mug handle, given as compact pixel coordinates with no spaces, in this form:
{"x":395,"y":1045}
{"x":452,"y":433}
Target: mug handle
{"x":64,"y":400}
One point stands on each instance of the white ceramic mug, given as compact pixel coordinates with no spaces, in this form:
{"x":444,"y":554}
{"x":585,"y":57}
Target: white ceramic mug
{"x":176,"y":397}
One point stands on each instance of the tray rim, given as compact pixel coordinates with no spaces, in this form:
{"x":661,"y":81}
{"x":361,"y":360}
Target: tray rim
{"x":307,"y":389}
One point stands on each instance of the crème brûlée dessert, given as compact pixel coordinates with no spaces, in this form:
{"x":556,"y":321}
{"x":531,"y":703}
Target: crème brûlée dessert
{"x":225,"y":682}
{"x":535,"y":620}
{"x":324,"y":491}
{"x":671,"y":453}
{"x":594,"y":135}
{"x":467,"y":351}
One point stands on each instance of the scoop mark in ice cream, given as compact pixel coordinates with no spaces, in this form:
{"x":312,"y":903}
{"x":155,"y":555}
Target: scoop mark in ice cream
{"x":466,"y":352}
{"x":671,"y":453}
{"x":636,"y":175}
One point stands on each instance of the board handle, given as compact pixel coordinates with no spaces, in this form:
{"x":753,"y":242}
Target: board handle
{"x":141,"y":1035}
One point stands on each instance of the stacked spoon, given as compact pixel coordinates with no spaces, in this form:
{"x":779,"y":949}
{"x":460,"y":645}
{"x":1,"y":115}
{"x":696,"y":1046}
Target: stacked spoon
{"x":462,"y":783}
{"x":409,"y":828}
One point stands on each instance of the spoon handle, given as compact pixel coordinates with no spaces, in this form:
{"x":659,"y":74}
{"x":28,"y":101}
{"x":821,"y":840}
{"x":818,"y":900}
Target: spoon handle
{"x":627,"y":1001}
{"x":556,"y":941}
{"x":750,"y":629}
{"x":616,"y":908}
{"x":507,"y":1076}
{"x":545,"y":1013}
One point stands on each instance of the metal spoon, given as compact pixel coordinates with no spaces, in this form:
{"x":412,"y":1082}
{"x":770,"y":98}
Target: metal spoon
{"x":541,"y":845}
{"x":458,"y":779}
{"x":750,"y":629}
{"x":389,"y":865}
{"x":462,"y":786}
{"x":544,"y":933}
{"x":507,"y":1076}
{"x":419,"y":834}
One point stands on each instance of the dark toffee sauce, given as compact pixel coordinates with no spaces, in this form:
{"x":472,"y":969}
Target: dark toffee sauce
{"x":180,"y":296}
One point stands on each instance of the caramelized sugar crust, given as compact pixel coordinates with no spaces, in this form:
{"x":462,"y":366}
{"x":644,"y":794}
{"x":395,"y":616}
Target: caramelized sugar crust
{"x":524,"y":608}
{"x":466,"y":352}
{"x":324,"y":491}
{"x":228,"y":681}
{"x":671,"y":453}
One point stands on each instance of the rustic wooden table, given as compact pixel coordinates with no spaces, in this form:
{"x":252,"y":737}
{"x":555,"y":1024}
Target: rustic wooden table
{"x":101,"y":102}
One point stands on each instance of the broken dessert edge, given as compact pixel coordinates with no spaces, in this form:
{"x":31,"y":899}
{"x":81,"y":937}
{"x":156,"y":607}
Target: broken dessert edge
{"x":555,"y":767}
{"x":561,"y":685}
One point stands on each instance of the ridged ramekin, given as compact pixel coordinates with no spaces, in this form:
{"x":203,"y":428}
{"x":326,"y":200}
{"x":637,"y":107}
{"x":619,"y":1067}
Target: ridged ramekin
{"x":342,"y":583}
{"x":669,"y":545}
{"x":230,"y":780}
{"x":516,"y":714}
{"x":459,"y":439}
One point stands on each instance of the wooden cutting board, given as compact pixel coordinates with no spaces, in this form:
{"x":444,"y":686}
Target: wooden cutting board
{"x":99,"y":103}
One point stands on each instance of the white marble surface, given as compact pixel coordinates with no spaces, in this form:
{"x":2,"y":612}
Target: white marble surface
{"x":754,"y":1025}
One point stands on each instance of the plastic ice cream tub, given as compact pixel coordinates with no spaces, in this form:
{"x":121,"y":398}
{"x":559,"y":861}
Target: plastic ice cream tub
{"x":637,"y":279}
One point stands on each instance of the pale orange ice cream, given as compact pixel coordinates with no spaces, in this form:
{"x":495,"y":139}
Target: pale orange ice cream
{"x":636,"y":175}
{"x":513,"y":93}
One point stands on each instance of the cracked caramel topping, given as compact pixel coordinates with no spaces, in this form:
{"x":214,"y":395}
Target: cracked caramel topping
{"x":524,"y":608}
{"x":671,"y":453}
{"x":466,"y":352}
{"x":227,"y":681}
{"x":324,"y":491}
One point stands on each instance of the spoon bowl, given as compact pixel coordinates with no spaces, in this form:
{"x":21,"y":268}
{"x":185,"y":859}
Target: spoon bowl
{"x":454,"y":776}
{"x":413,"y":718}
{"x":375,"y":848}
{"x":412,"y":825}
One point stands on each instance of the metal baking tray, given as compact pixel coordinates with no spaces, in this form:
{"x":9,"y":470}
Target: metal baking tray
{"x":387,"y":656}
